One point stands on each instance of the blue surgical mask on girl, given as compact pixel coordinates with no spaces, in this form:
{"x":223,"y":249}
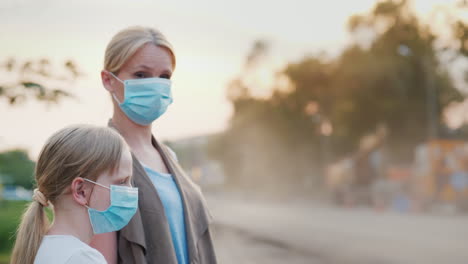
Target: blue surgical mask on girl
{"x":123,"y":206}
{"x":145,"y":100}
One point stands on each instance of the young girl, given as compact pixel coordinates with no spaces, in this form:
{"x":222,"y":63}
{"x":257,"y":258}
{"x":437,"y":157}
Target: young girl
{"x":83,"y":173}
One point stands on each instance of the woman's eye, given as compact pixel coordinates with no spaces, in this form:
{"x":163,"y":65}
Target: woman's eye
{"x":140,"y":75}
{"x":165,"y":76}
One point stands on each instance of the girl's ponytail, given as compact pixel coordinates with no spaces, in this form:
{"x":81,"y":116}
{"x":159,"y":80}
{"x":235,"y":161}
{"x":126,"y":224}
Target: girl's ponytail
{"x":34,"y":224}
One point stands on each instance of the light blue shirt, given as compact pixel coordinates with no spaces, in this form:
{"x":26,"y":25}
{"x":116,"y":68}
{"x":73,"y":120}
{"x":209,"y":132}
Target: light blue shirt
{"x":174,"y":209}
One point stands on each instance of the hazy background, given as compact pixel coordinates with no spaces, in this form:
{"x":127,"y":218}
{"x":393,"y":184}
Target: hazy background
{"x":320,"y":131}
{"x":211,"y":39}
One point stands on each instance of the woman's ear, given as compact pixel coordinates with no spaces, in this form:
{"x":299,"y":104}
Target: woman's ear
{"x":81,"y":191}
{"x":107,"y":81}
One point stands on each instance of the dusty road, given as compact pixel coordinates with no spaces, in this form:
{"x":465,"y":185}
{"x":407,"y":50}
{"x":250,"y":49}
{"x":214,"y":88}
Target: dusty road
{"x":257,"y":231}
{"x":234,"y":246}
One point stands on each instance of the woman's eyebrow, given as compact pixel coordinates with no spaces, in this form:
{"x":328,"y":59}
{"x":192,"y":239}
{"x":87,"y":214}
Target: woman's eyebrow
{"x":144,"y":66}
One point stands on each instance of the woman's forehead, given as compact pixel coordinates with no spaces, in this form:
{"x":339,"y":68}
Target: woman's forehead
{"x":150,"y":57}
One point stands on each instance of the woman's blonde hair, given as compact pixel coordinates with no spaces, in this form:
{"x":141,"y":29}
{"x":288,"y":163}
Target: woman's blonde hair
{"x":126,"y":42}
{"x":77,"y":151}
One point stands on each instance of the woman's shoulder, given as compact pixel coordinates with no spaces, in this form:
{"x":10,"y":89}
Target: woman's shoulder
{"x":171,"y":152}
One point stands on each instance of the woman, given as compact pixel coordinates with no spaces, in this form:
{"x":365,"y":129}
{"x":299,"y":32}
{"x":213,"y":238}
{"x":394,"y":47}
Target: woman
{"x":84,"y":172}
{"x":172,"y":223}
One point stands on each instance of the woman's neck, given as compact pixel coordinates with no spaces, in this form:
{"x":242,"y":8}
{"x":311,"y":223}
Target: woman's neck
{"x":135,"y":135}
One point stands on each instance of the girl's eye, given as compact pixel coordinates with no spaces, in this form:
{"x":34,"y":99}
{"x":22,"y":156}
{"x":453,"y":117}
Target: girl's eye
{"x":124,"y":181}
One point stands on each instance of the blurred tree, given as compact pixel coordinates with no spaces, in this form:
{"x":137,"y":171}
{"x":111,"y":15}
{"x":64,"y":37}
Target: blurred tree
{"x":399,"y":80}
{"x":34,"y":79}
{"x":16,"y":168}
{"x":396,"y":79}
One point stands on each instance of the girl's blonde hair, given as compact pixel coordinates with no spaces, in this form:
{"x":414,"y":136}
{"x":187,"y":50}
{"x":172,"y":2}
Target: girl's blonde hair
{"x":77,"y":151}
{"x":126,"y":42}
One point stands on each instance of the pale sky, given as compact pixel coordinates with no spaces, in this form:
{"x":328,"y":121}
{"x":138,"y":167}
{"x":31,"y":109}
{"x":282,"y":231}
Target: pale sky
{"x":211,"y":40}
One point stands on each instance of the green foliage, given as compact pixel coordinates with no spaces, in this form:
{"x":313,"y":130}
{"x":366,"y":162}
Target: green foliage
{"x":16,"y":168}
{"x":10,"y":216}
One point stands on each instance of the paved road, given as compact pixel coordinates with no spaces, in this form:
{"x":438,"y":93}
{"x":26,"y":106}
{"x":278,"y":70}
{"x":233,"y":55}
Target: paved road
{"x":234,"y":246}
{"x":257,"y":231}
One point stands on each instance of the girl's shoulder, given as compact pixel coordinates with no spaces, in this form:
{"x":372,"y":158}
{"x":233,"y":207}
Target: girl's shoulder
{"x":65,"y":249}
{"x":86,"y":255}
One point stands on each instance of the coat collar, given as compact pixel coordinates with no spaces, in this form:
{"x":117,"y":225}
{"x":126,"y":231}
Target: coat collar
{"x":197,"y":216}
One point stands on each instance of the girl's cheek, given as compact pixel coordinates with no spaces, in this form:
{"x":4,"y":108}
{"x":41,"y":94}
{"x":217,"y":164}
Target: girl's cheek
{"x":101,"y":200}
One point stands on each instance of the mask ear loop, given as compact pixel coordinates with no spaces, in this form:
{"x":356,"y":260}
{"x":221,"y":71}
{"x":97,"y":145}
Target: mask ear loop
{"x":115,"y":98}
{"x":88,"y":180}
{"x":117,"y":78}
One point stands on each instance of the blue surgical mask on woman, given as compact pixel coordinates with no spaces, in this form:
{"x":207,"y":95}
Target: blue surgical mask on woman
{"x":145,"y":100}
{"x":123,"y":206}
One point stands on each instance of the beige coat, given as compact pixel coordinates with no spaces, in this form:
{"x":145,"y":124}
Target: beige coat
{"x":147,"y":238}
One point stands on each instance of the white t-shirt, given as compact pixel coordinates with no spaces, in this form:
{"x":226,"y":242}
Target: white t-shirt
{"x":65,"y":249}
